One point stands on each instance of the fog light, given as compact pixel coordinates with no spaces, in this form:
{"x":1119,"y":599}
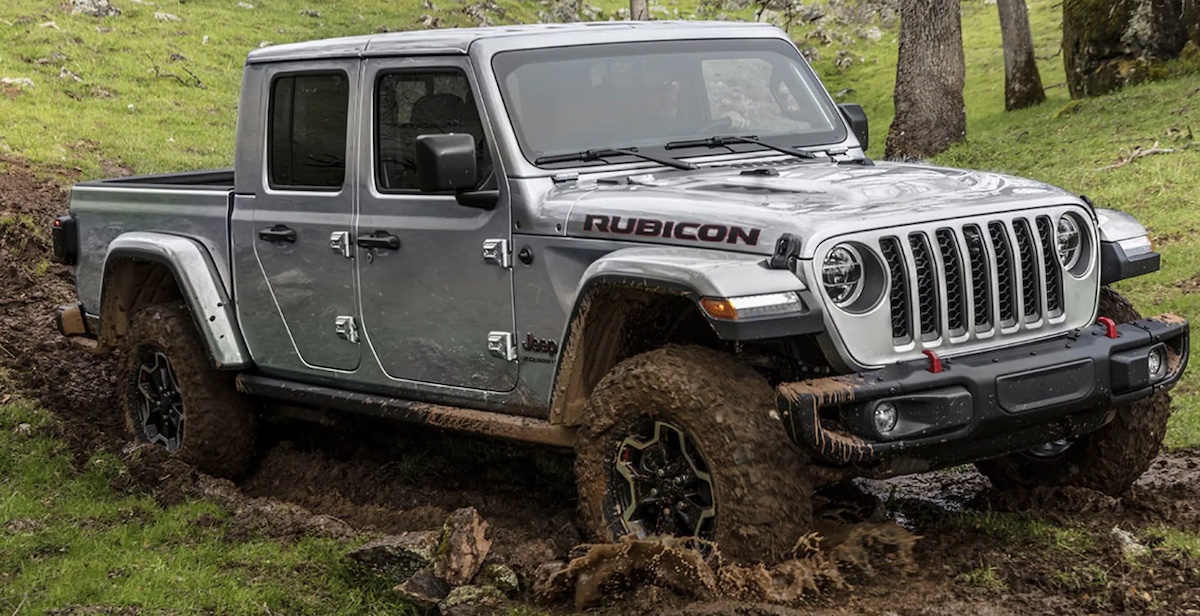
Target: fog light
{"x":886,"y":417}
{"x":1157,"y":361}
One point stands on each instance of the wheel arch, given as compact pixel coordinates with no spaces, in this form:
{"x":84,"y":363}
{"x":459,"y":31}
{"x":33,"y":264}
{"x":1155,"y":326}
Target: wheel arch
{"x":637,"y":299}
{"x":143,"y":269}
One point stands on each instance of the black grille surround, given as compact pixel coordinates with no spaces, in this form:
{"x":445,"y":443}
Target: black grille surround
{"x":967,"y":285}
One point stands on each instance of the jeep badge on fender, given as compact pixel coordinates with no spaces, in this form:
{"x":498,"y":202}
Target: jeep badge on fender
{"x":540,"y":345}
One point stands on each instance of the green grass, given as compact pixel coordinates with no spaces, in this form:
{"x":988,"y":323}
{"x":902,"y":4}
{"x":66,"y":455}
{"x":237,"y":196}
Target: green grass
{"x":985,"y":578}
{"x":67,"y":538}
{"x":1017,"y":529}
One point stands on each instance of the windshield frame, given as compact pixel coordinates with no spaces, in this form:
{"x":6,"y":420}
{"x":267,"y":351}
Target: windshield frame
{"x":784,"y":47}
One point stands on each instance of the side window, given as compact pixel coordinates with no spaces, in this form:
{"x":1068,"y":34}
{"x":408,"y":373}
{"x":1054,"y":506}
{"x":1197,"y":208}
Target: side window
{"x":414,"y":103}
{"x":306,"y":138}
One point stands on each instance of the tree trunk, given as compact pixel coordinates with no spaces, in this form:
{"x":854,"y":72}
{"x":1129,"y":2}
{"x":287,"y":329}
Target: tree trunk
{"x":1110,"y":43}
{"x":1022,"y":82}
{"x":639,"y":10}
{"x":930,"y":114}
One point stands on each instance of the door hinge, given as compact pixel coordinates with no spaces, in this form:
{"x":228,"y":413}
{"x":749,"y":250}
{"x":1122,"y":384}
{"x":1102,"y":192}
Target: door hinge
{"x":346,"y":328}
{"x":339,"y":242}
{"x":496,"y":252}
{"x":501,"y":344}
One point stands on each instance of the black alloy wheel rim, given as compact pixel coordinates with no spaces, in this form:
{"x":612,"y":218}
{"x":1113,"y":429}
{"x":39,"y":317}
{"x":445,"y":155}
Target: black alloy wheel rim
{"x":662,"y":485}
{"x":160,"y":408}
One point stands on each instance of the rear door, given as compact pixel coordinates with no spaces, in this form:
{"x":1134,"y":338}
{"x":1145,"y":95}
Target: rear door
{"x":305,"y":200}
{"x":431,"y":303}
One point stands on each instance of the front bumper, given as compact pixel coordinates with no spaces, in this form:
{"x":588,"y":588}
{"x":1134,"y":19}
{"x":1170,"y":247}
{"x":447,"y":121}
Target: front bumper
{"x":982,"y":405}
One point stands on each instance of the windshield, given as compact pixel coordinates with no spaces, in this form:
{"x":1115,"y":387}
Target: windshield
{"x":570,"y":99}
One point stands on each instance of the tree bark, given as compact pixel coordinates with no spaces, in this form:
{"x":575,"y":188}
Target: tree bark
{"x":639,"y":10}
{"x":1110,"y":43}
{"x":930,"y":113}
{"x":1022,"y":82}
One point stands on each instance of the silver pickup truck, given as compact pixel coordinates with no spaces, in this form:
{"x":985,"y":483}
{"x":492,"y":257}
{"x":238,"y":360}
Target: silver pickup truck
{"x":660,"y":244}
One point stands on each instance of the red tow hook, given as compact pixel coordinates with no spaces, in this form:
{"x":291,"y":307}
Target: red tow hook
{"x":1110,"y":327}
{"x":935,"y":362}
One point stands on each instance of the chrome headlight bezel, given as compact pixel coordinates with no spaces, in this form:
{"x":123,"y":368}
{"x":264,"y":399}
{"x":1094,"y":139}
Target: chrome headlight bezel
{"x":1073,"y":244}
{"x":863,"y":287}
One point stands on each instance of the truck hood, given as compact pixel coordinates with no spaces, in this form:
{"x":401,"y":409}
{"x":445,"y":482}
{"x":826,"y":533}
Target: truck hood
{"x":747,"y":210}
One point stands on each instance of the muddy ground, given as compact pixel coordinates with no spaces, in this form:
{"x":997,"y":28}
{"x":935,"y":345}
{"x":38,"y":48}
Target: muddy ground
{"x":920,"y":545}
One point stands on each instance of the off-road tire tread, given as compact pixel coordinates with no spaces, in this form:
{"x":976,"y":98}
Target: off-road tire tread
{"x":1108,"y":460}
{"x":219,"y":422}
{"x":761,"y":480}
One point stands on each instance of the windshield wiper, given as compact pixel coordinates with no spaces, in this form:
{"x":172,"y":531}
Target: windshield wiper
{"x":724,"y":141}
{"x":601,"y":154}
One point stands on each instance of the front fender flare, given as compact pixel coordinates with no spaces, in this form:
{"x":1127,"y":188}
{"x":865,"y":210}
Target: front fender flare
{"x":709,"y":273}
{"x":198,"y":280}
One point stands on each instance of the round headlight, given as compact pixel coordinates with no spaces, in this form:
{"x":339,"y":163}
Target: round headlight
{"x":842,"y":274}
{"x":1070,"y":241}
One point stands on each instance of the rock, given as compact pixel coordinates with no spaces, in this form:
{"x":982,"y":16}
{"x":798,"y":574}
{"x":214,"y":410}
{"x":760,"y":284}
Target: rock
{"x":19,"y":82}
{"x":1129,"y":546}
{"x":245,"y":5}
{"x":24,"y":429}
{"x":500,"y":577}
{"x":471,"y":601}
{"x":166,"y":17}
{"x":546,"y":576}
{"x":94,"y":8}
{"x":423,"y":590}
{"x":398,"y":557}
{"x":464,"y":546}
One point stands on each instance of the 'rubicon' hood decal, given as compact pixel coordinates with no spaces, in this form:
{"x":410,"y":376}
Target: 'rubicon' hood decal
{"x":814,"y":200}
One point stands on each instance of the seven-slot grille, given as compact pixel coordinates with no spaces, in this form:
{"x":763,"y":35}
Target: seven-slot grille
{"x":971,"y":278}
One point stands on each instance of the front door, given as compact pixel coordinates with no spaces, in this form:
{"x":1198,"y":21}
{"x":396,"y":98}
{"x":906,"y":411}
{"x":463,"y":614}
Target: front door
{"x":430,"y":301}
{"x":305,"y":197}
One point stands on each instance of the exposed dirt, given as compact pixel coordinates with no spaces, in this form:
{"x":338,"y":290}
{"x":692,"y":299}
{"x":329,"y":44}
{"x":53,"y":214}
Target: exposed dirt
{"x":916,"y":545}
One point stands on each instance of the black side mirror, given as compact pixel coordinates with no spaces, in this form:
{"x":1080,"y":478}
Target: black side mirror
{"x":857,"y":118}
{"x":446,"y":163}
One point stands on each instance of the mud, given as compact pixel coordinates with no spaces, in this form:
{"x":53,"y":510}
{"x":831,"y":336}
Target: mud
{"x":39,"y":362}
{"x":881,"y":547}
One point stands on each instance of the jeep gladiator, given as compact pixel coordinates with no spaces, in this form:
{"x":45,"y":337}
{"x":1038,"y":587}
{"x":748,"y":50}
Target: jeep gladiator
{"x":660,"y":244}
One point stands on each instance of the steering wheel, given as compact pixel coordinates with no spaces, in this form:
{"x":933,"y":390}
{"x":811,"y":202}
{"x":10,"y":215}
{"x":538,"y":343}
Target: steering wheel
{"x":719,"y":125}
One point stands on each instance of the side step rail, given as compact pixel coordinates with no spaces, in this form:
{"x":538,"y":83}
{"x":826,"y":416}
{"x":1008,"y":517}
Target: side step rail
{"x":470,"y":421}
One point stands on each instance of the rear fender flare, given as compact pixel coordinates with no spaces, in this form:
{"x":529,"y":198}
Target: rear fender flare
{"x":199,"y":282}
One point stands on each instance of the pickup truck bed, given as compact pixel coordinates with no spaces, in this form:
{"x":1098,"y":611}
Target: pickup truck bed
{"x":195,"y":205}
{"x":214,"y":179}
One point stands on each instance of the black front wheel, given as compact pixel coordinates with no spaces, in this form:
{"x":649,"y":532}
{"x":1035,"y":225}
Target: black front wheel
{"x":1108,"y":460}
{"x":686,"y":442}
{"x":173,"y":398}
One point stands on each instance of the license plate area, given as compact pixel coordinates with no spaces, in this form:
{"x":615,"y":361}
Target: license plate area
{"x":1045,"y":387}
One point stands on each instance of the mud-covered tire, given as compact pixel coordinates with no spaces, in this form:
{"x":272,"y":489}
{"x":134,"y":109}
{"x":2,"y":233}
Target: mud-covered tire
{"x":760,"y":480}
{"x":218,"y":432}
{"x":1108,"y":460}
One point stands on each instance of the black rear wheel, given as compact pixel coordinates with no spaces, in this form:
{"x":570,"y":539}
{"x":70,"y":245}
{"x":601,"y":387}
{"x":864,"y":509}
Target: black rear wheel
{"x":173,"y":398}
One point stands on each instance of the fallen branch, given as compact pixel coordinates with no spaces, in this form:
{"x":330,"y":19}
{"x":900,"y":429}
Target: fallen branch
{"x":192,"y":82}
{"x":1138,"y":152}
{"x":7,"y":352}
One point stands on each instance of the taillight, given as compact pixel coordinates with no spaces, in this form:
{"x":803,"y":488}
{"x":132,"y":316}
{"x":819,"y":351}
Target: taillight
{"x":65,"y":233}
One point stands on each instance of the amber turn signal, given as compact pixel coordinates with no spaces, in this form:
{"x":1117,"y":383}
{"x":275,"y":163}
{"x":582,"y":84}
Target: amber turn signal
{"x":719,"y":308}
